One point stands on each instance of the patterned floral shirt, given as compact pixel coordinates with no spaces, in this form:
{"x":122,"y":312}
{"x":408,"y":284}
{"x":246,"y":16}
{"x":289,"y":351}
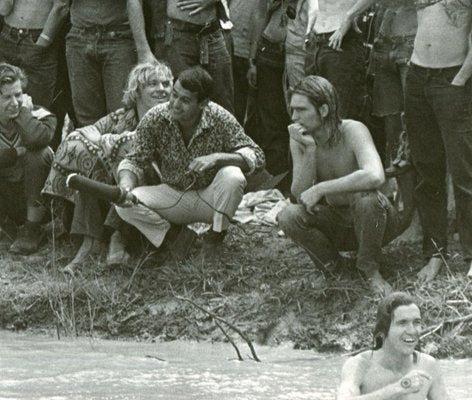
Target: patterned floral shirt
{"x":159,"y":139}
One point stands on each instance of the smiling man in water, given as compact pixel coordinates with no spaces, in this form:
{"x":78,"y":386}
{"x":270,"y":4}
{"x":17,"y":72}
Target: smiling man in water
{"x":394,"y":369}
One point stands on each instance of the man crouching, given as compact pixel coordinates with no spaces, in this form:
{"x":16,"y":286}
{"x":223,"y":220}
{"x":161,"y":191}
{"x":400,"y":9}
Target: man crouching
{"x":25,"y":159}
{"x":202,"y":154}
{"x":337,"y":174}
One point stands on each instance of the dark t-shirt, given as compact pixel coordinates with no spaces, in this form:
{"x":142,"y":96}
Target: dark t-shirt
{"x":89,"y":13}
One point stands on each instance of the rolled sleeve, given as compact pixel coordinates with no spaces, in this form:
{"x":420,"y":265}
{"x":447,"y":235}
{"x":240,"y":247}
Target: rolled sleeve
{"x":250,"y":157}
{"x":128,"y":165}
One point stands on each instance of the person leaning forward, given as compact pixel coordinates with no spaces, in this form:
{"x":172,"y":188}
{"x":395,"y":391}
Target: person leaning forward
{"x":394,"y":369}
{"x":202,"y":154}
{"x":337,"y":174}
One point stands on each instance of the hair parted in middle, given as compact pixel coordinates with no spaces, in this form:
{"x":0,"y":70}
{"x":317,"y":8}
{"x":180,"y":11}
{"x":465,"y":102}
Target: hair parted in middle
{"x":320,"y":91}
{"x":141,"y":76}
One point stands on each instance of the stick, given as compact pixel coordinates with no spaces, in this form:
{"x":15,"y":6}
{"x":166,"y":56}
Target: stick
{"x":430,"y":330}
{"x":230,"y":340}
{"x":216,"y":317}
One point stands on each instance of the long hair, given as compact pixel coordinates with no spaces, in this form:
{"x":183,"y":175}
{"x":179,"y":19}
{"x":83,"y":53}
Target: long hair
{"x":141,"y":76}
{"x":385,"y":311}
{"x":10,"y":74}
{"x":320,"y":91}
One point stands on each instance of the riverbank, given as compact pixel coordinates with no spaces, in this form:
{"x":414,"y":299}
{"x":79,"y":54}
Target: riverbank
{"x":265,"y":286}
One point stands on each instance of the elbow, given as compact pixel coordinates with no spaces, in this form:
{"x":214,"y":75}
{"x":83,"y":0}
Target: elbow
{"x":376,"y":179}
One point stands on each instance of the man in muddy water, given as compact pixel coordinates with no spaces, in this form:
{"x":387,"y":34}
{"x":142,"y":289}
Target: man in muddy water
{"x":337,"y":174}
{"x":438,"y":111}
{"x":394,"y":369}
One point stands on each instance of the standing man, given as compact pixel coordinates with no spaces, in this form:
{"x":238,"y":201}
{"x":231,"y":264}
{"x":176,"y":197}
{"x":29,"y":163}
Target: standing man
{"x":25,"y":132}
{"x":337,"y":174}
{"x":438,"y":111}
{"x":100,"y":54}
{"x":344,"y":67}
{"x":193,"y":36}
{"x":28,"y":40}
{"x":202,"y":154}
{"x":394,"y":369}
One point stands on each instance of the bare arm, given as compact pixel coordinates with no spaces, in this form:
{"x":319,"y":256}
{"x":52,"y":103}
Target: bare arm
{"x":359,"y":7}
{"x":353,"y":375}
{"x":437,"y":390}
{"x":136,"y":21}
{"x":465,"y":72}
{"x":303,"y":150}
{"x":256,"y":27}
{"x":56,"y":17}
{"x":369,"y":176}
{"x":6,"y":7}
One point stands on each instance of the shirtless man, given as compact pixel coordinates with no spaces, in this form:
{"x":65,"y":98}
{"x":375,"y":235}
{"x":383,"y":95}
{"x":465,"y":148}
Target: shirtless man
{"x":393,"y":369}
{"x":438,"y":111}
{"x":344,"y":67}
{"x":27,"y":41}
{"x":337,"y":174}
{"x":193,"y":37}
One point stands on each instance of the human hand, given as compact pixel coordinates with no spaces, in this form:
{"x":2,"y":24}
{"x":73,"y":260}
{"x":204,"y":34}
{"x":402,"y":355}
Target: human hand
{"x":311,"y":197}
{"x":336,"y":39}
{"x":299,"y":134}
{"x":252,"y":76}
{"x":195,"y":6}
{"x":203,"y":163}
{"x":27,"y":102}
{"x":91,"y":133}
{"x":414,"y":381}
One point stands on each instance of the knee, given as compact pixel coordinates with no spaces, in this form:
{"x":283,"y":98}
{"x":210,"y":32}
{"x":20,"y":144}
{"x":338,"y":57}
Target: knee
{"x":290,"y":216}
{"x":365,"y":200}
{"x":38,"y":159}
{"x":231,"y":177}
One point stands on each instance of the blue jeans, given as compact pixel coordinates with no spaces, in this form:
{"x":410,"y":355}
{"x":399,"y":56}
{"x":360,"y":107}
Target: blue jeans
{"x":99,"y":61}
{"x":18,"y":47}
{"x":439,"y":123}
{"x":344,"y":69}
{"x":185,"y":50}
{"x":369,"y":222}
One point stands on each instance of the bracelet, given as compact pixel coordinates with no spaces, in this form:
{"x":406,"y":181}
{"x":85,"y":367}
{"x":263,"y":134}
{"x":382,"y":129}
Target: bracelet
{"x":45,"y":37}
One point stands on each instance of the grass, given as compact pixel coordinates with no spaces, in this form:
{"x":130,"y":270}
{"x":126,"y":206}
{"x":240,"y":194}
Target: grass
{"x":264,"y":285}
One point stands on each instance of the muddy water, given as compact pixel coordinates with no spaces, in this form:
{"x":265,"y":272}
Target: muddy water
{"x":33,"y":367}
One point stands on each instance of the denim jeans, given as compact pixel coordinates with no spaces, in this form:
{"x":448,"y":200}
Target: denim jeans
{"x":369,"y":222}
{"x":344,"y":69}
{"x":439,"y":122}
{"x":15,"y":196}
{"x":18,"y":47}
{"x":186,"y":50}
{"x":99,"y":61}
{"x":272,"y":117}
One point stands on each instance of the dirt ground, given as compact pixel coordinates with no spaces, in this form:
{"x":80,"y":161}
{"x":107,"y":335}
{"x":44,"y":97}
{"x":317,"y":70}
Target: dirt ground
{"x":264,"y":285}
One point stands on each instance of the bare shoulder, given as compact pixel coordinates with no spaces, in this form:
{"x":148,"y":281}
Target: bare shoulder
{"x":355,"y":132}
{"x":428,"y":363}
{"x":358,"y":364}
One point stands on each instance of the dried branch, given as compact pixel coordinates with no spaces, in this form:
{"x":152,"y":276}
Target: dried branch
{"x":218,"y":318}
{"x":240,"y":358}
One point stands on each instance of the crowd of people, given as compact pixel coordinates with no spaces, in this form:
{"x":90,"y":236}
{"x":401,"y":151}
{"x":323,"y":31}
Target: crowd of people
{"x":181,"y":102}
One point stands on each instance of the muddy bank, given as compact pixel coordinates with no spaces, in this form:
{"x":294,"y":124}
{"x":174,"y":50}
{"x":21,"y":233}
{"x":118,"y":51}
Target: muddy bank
{"x":264,"y":285}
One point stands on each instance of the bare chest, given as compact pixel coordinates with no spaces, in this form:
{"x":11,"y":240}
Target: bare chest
{"x":29,"y":14}
{"x":335,"y":162}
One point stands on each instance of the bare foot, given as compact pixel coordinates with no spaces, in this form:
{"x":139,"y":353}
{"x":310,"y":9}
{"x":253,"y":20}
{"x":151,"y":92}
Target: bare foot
{"x":89,"y":247}
{"x":430,"y":270}
{"x":469,"y":274}
{"x":378,"y":284}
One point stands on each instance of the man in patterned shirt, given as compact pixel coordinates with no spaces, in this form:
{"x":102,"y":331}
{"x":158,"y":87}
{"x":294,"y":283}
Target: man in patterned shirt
{"x":202,"y":154}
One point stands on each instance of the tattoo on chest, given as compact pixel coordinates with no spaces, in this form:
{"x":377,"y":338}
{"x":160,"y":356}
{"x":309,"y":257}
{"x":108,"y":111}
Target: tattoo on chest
{"x":458,"y":11}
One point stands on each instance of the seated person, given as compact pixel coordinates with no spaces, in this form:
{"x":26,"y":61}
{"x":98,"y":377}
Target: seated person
{"x":25,"y":132}
{"x":394,"y":369}
{"x":337,"y":174}
{"x":95,"y":151}
{"x":202,"y":153}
